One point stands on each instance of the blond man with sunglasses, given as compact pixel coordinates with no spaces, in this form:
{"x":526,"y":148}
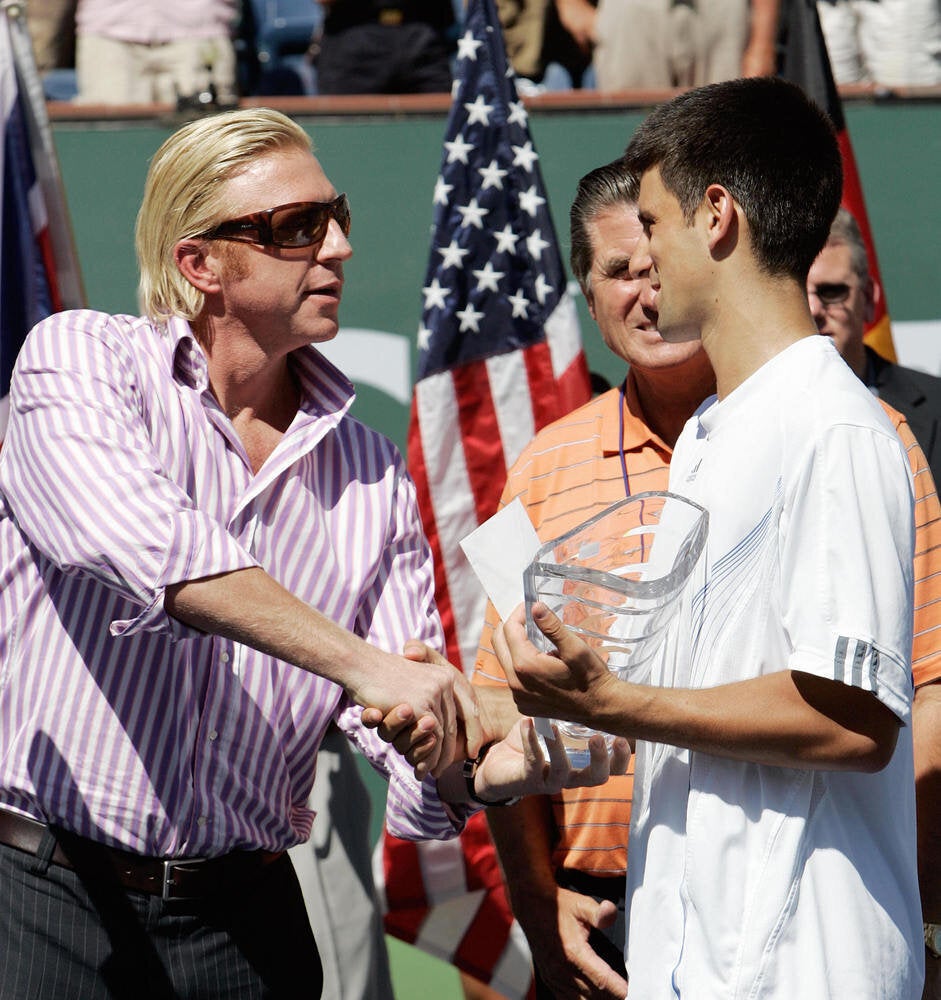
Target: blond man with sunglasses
{"x":206,"y":562}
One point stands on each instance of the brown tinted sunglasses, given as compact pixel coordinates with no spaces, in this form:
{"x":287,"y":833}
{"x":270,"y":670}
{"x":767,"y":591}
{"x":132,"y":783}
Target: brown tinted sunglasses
{"x":299,"y":224}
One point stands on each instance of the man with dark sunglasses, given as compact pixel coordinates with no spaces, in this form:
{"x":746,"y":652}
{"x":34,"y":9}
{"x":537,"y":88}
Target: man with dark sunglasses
{"x":205,"y":564}
{"x":841,"y":294}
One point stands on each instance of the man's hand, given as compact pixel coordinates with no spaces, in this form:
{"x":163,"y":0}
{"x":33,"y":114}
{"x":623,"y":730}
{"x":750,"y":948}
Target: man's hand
{"x":416,"y":739}
{"x":557,"y":929}
{"x":565,"y":686}
{"x":435,"y":708}
{"x":517,"y":766}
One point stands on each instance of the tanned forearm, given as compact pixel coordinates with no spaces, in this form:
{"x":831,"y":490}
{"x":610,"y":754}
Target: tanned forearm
{"x":787,"y":718}
{"x":250,"y":607}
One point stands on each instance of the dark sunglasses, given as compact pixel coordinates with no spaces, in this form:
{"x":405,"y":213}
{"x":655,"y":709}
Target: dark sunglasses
{"x":832,"y":294}
{"x":300,"y":224}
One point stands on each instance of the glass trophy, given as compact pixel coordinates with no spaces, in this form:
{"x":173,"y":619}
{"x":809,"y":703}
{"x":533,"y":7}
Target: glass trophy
{"x":616,"y":581}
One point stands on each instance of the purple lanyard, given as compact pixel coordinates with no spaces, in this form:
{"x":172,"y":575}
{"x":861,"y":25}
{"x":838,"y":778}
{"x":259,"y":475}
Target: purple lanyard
{"x":623,"y":399}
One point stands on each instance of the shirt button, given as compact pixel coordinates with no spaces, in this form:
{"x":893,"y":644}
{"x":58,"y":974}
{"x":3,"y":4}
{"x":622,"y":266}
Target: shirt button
{"x":224,"y":657}
{"x":201,"y":821}
{"x":213,"y":734}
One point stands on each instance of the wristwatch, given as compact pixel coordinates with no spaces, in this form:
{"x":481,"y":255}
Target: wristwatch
{"x":933,"y":939}
{"x":469,"y":770}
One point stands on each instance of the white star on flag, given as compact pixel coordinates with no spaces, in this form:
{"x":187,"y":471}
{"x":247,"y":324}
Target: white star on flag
{"x":488,"y":278}
{"x":530,"y":201}
{"x":424,"y":338}
{"x":543,"y":288}
{"x":524,"y":156}
{"x":519,"y":303}
{"x":506,"y":240}
{"x":442,"y":191}
{"x":518,"y":114}
{"x":535,"y":244}
{"x":452,"y":255}
{"x":492,"y":176}
{"x":435,"y":295}
{"x":472,"y":214}
{"x":470,"y":319}
{"x":458,"y":149}
{"x":478,"y":113}
{"x":467,"y":46}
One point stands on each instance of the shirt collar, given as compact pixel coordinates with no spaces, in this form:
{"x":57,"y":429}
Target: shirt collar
{"x":324,"y":388}
{"x":636,"y":432}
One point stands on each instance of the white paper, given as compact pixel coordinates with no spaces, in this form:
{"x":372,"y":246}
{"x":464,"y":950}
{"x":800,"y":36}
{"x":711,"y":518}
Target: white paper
{"x":499,"y":550}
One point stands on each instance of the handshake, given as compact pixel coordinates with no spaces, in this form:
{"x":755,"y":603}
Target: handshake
{"x":474,"y":740}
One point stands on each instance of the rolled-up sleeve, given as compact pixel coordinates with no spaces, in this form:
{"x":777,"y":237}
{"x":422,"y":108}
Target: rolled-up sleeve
{"x":82,"y":475}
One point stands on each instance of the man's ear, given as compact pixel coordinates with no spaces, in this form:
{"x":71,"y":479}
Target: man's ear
{"x":721,"y":214}
{"x":198,"y":267}
{"x":590,"y":302}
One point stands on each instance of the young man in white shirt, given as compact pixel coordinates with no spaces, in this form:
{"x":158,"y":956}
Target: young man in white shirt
{"x":773,"y":833}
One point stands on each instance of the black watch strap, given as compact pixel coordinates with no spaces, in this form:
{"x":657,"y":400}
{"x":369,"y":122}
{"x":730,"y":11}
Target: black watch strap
{"x":469,"y":770}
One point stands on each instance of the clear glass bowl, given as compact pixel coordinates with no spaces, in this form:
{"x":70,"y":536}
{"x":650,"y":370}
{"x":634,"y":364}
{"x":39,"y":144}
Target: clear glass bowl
{"x":616,"y":581}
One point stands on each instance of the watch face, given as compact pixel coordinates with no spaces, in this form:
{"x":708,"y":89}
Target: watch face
{"x":933,"y":939}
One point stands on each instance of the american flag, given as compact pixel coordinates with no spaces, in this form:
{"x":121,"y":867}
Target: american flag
{"x":500,"y":357}
{"x":804,"y":61}
{"x":499,"y":346}
{"x":38,"y":266}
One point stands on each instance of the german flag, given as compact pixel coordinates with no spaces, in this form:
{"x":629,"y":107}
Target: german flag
{"x":804,"y":61}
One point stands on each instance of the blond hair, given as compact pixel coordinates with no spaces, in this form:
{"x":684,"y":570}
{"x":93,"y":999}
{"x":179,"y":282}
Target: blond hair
{"x":183,"y":195}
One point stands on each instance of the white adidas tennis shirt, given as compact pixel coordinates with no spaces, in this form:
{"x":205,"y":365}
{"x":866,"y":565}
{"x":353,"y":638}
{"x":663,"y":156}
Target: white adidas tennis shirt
{"x":752,"y":881}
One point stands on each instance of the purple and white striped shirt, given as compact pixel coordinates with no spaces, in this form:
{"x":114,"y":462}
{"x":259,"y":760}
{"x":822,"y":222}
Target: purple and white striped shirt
{"x":119,"y":475}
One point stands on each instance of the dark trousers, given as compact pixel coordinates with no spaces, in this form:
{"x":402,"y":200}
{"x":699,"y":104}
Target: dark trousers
{"x":67,"y":934}
{"x":609,"y":943}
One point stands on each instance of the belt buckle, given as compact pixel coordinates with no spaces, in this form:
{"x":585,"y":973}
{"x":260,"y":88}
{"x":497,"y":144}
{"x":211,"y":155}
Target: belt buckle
{"x":170,"y":865}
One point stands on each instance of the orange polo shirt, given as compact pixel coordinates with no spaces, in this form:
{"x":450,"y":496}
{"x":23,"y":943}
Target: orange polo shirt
{"x":926,"y":647}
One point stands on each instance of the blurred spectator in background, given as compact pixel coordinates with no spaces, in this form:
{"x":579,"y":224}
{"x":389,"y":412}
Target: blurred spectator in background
{"x":382,"y":47}
{"x":52,"y":28}
{"x":895,"y":43}
{"x":841,"y":294}
{"x":139,"y":52}
{"x":682,"y":43}
{"x":549,"y":42}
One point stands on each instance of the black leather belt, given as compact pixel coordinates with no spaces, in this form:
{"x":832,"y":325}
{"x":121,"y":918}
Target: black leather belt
{"x":169,"y":878}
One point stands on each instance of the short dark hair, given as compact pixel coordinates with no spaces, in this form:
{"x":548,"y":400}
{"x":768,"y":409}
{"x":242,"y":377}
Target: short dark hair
{"x":612,"y":184}
{"x":763,"y":140}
